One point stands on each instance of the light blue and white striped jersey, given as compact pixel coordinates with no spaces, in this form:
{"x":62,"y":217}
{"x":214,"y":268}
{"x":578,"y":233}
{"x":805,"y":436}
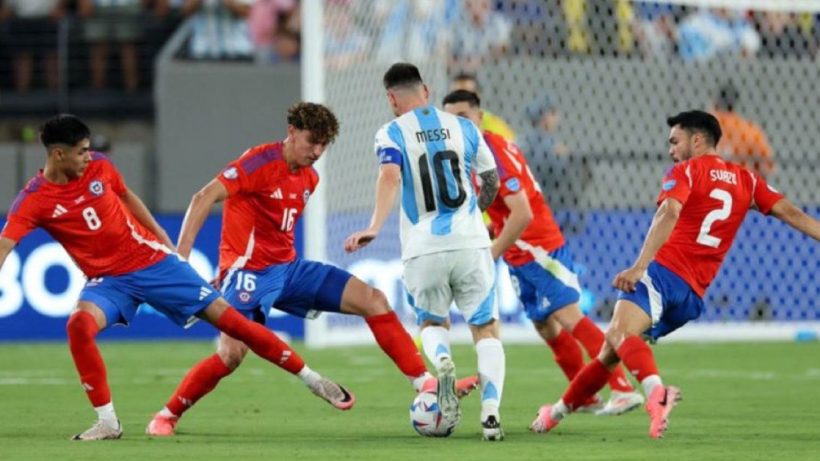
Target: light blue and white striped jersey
{"x":437,"y":152}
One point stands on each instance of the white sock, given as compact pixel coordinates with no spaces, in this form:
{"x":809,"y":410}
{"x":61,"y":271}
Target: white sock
{"x":435,"y":341}
{"x":649,"y":383}
{"x":559,"y":410}
{"x":308,"y":376}
{"x":491,"y":371}
{"x":419,"y":381}
{"x":166,"y":413}
{"x":107,"y":414}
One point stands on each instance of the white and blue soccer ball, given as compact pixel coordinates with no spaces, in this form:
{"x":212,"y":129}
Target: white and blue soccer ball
{"x":426,"y":419}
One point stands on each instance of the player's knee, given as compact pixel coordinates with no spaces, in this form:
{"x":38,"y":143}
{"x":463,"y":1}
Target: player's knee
{"x":232,"y":356}
{"x":613,"y":339}
{"x":81,"y":325}
{"x":376,"y":304}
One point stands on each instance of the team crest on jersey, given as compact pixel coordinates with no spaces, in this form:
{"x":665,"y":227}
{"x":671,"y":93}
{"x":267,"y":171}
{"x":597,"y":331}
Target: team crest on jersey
{"x":96,"y":187}
{"x":668,"y":185}
{"x":513,"y":185}
{"x":306,"y":195}
{"x":244,"y":297}
{"x":230,"y":173}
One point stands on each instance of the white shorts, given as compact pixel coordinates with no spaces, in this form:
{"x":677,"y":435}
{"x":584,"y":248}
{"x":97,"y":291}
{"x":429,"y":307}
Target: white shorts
{"x":434,"y":281}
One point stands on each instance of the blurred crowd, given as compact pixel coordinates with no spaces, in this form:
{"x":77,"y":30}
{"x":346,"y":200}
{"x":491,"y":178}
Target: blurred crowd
{"x":113,"y":42}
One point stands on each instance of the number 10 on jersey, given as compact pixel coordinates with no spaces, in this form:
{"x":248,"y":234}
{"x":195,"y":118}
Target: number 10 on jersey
{"x":444,"y":177}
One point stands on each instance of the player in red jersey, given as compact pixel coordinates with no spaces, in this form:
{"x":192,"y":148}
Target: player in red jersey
{"x":82,"y":201}
{"x":701,"y":206}
{"x":540,"y":263}
{"x":265,"y":191}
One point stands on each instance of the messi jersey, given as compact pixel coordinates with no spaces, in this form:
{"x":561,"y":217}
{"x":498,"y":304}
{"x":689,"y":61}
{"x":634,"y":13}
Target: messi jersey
{"x":437,"y":153}
{"x":716,"y":195}
{"x":543,"y":232}
{"x":87,"y":217}
{"x":265,"y":199}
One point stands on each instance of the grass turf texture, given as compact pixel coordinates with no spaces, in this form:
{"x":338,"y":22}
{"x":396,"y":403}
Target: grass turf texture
{"x":741,"y":401}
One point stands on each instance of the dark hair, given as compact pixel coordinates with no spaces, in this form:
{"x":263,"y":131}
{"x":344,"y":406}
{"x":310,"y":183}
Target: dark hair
{"x":727,"y":97}
{"x":467,"y":76}
{"x":402,"y":74}
{"x":63,"y":129}
{"x":698,"y":121}
{"x":462,"y":96}
{"x":316,"y":118}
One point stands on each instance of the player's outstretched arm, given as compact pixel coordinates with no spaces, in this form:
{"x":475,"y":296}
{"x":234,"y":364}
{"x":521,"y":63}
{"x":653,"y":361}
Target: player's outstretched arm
{"x":520,"y":217}
{"x":662,"y":225}
{"x":6,"y":245}
{"x":785,"y":211}
{"x":387,"y":186}
{"x":144,"y":216}
{"x":198,"y":210}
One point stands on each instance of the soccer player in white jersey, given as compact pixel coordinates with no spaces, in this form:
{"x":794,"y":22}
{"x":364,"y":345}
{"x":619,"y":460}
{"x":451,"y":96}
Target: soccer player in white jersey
{"x":430,"y":155}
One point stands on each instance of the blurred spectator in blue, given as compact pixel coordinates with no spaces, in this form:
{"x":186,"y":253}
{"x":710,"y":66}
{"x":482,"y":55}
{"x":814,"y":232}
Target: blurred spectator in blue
{"x":539,"y":27}
{"x":117,"y":21}
{"x":32,"y":32}
{"x":781,"y":35}
{"x":415,"y":30}
{"x":220,"y":29}
{"x":345,"y":44}
{"x":273,"y":24}
{"x":655,"y":28}
{"x":709,"y":33}
{"x":549,"y":159}
{"x":479,"y":34}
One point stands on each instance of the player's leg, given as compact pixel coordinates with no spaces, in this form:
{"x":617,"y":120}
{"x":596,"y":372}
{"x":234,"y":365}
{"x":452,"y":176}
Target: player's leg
{"x":84,"y":323}
{"x":428,"y":283}
{"x":558,"y":293}
{"x":491,"y":372}
{"x":103,"y":302}
{"x":314,"y":286}
{"x":586,"y":383}
{"x":566,"y":351}
{"x":435,"y":342}
{"x":624,"y":398}
{"x":628,"y":320}
{"x":270,"y":347}
{"x":198,"y":382}
{"x":359,"y":298}
{"x":175,"y":289}
{"x":473,"y":282}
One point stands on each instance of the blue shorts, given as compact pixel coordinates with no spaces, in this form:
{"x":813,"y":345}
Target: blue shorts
{"x":301,"y":288}
{"x":547,"y":284}
{"x":666,"y":298}
{"x":170,"y":286}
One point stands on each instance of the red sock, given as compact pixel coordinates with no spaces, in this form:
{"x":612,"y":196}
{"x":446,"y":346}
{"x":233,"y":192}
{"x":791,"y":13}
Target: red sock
{"x":587,"y":382}
{"x":592,"y":338}
{"x":260,"y":340}
{"x":567,"y":354}
{"x":200,"y":380}
{"x":637,"y":357}
{"x":396,"y":343}
{"x":81,"y":329}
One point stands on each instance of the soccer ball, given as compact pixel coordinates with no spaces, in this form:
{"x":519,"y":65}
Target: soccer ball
{"x":426,"y":418}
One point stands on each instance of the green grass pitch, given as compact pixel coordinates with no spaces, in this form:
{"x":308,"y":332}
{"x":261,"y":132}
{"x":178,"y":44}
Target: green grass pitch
{"x":741,"y":401}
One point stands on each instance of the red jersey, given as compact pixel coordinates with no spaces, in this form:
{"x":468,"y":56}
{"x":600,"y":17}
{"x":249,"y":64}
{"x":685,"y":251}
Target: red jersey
{"x":89,"y":220}
{"x":716,"y":195}
{"x":515,"y":176}
{"x":265,"y":200}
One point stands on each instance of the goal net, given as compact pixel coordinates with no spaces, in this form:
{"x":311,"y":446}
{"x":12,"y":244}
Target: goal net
{"x":586,"y":86}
